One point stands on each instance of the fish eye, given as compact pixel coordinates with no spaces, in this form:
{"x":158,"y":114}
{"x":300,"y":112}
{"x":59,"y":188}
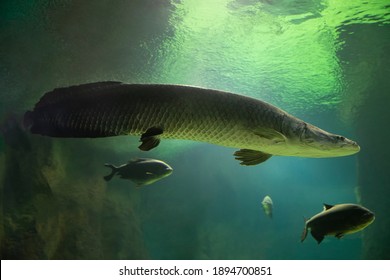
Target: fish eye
{"x":341,"y":138}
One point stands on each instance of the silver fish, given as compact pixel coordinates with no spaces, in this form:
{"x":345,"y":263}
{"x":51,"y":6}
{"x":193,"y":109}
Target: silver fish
{"x":142,"y":171}
{"x":338,"y":220}
{"x":267,"y":204}
{"x":155,"y":111}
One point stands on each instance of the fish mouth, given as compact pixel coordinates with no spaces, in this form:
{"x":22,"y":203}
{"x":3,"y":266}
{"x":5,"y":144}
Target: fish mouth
{"x":168,"y":170}
{"x":344,"y":145}
{"x":369,"y":215}
{"x":348,"y":147}
{"x":368,"y":218}
{"x":351,"y":145}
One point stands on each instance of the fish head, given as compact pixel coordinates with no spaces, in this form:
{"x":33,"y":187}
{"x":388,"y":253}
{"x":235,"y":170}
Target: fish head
{"x":315,"y":142}
{"x":353,"y":216}
{"x":267,"y":200}
{"x":359,"y":218}
{"x":367,"y":217}
{"x":161,"y":170}
{"x":156,"y":170}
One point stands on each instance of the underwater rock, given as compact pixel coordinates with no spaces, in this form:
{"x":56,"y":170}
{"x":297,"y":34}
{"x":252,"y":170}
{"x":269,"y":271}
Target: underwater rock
{"x":373,"y":168}
{"x":56,"y":208}
{"x":22,"y":182}
{"x":13,"y":134}
{"x":368,"y":105}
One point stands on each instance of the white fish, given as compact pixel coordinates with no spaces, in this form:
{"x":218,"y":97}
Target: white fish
{"x":267,"y":206}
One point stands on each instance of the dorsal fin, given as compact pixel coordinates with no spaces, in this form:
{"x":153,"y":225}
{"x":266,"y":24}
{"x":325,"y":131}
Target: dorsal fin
{"x":327,"y":206}
{"x":67,"y":93}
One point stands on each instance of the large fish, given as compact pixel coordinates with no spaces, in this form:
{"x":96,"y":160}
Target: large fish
{"x":155,"y":111}
{"x":142,"y":171}
{"x":338,"y":220}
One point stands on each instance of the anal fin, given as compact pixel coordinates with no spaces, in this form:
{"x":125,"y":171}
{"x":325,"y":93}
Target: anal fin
{"x":251,"y":157}
{"x":150,"y":138}
{"x":317,"y":236}
{"x":339,"y":235}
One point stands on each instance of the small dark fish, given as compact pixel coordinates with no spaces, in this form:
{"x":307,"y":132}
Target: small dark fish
{"x":338,"y":220}
{"x":142,"y":171}
{"x":267,"y":205}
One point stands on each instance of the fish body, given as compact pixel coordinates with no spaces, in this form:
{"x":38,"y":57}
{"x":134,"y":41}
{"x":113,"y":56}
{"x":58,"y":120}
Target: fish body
{"x":142,"y":171}
{"x":337,"y":221}
{"x":267,"y":206}
{"x":155,"y":111}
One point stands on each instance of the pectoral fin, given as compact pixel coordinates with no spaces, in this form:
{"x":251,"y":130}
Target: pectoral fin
{"x":251,"y":157}
{"x":150,"y":138}
{"x":270,"y":134}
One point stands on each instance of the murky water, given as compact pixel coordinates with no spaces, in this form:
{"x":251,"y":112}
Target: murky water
{"x":325,"y":62}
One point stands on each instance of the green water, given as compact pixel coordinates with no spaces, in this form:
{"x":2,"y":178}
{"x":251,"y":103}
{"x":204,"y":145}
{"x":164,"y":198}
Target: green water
{"x":325,"y":62}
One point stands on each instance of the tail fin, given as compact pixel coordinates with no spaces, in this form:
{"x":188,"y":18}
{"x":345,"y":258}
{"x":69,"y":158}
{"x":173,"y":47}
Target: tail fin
{"x":304,"y":233}
{"x":113,"y":172}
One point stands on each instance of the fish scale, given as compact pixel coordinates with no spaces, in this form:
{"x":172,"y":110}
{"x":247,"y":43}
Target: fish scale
{"x":180,"y":112}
